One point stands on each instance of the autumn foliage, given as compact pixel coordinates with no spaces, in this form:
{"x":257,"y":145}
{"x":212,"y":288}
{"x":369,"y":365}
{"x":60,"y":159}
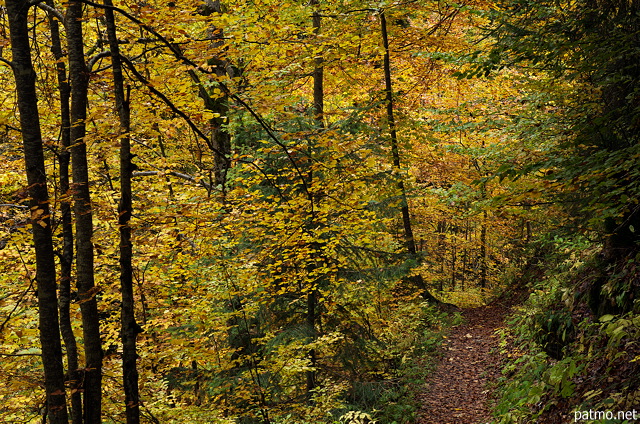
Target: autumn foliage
{"x":271,"y":275}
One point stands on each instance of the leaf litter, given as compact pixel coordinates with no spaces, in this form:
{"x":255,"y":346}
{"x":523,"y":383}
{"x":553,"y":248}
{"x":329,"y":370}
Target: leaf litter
{"x":459,"y":390}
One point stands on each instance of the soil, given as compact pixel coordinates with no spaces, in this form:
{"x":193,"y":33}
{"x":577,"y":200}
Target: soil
{"x":459,"y":390}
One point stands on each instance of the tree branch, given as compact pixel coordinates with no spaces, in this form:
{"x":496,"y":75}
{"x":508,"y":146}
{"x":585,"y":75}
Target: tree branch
{"x":191,"y":124}
{"x":187,"y":177}
{"x":52,"y":10}
{"x":94,"y":59}
{"x":178,"y":55}
{"x":11,"y":205}
{"x":6,"y":62}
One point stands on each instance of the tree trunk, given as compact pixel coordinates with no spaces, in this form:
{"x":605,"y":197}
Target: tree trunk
{"x":454,"y":256}
{"x":442,"y":251}
{"x":220,"y":137}
{"x":463,"y":272}
{"x":483,"y":251}
{"x":318,"y":116}
{"x":409,"y":241}
{"x":129,"y":327}
{"x":318,"y":73}
{"x":66,"y":259}
{"x":79,"y":78}
{"x":25,"y":77}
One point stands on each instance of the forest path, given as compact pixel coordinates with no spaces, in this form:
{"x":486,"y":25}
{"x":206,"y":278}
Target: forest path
{"x":458,"y":391}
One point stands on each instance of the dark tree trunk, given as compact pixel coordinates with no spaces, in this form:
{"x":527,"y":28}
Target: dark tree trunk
{"x":454,"y":256}
{"x":25,"y":77}
{"x":129,"y":327}
{"x":79,"y":78}
{"x":483,"y":251}
{"x":318,"y":73}
{"x":409,"y":240}
{"x":220,"y":137}
{"x":66,"y":259}
{"x":465,"y":256}
{"x":442,"y":251}
{"x":312,"y":296}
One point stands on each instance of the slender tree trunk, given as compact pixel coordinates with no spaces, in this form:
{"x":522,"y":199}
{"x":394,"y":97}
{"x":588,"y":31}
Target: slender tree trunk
{"x":463,"y":274}
{"x":454,"y":256}
{"x":129,"y":327}
{"x":404,"y":207}
{"x":220,"y":137}
{"x":483,"y":237}
{"x":318,"y":72}
{"x":79,"y":78}
{"x":25,"y":77}
{"x":66,"y":259}
{"x":483,"y":251}
{"x":318,"y":116}
{"x":442,"y":250}
{"x":409,"y":240}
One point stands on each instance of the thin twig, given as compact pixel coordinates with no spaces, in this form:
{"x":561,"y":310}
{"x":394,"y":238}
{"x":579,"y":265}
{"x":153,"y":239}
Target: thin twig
{"x":11,"y":205}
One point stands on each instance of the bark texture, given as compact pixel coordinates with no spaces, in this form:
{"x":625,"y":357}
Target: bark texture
{"x":25,"y":77}
{"x":66,"y":259}
{"x":409,"y":239}
{"x":129,"y":328}
{"x":79,"y":78}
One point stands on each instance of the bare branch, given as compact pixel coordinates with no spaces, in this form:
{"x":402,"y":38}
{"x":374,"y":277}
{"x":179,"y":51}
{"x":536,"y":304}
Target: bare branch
{"x":11,"y":205}
{"x":17,"y":304}
{"x":52,"y":10}
{"x":172,"y":46}
{"x":191,"y":124}
{"x":6,"y":62}
{"x":187,"y":177}
{"x":93,"y":60}
{"x":178,"y":55}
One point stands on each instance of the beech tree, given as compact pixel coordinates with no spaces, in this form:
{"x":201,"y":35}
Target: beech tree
{"x":295,"y":165}
{"x":67,"y":256}
{"x":129,"y":326}
{"x":40,"y":210}
{"x":586,"y":53}
{"x":83,"y":212}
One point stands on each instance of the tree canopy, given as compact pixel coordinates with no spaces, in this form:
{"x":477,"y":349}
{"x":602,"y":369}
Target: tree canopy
{"x":259,"y":212}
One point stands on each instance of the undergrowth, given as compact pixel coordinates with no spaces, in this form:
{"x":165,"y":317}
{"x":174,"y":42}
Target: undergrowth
{"x":393,"y":400}
{"x":566,"y":362}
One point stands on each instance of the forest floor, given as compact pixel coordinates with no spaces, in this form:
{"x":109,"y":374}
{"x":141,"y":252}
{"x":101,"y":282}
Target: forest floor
{"x":459,"y":390}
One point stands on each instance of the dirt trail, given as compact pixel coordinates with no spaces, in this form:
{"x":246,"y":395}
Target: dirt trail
{"x":457,"y":392}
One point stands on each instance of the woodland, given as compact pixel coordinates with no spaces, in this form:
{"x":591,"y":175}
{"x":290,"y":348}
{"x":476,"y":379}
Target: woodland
{"x":260,"y":211}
